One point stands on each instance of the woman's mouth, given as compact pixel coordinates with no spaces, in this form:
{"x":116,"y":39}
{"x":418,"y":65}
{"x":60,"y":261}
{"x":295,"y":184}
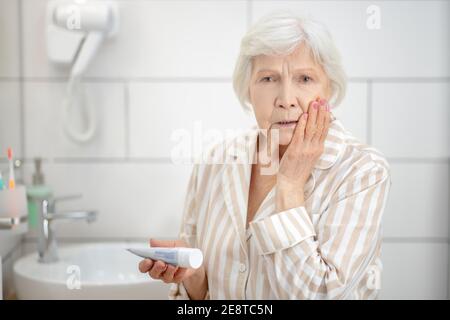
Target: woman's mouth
{"x":286,"y":124}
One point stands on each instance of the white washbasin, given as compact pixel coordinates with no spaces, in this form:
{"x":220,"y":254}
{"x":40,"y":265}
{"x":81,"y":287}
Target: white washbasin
{"x":100,"y":270}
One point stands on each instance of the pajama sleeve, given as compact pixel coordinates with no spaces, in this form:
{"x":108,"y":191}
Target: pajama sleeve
{"x":325,"y":262}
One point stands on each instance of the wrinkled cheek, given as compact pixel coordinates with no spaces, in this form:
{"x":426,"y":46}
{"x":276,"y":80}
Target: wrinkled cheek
{"x":263,"y":114}
{"x":307,"y":95}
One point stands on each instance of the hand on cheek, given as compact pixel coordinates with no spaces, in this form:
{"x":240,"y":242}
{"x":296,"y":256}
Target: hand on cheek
{"x":306,"y":146}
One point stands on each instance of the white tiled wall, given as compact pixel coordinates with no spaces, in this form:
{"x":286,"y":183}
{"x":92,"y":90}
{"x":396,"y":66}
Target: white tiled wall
{"x":134,"y":199}
{"x":156,"y":39}
{"x":10,"y":130}
{"x":159,"y":109}
{"x":414,"y":270}
{"x":418,"y":205}
{"x":171,"y":65}
{"x":9,"y":35}
{"x":44,"y":134}
{"x":423,"y":109}
{"x":353,"y":110}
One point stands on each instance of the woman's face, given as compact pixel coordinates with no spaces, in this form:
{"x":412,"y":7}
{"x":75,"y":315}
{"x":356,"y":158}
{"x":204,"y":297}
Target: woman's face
{"x":282,"y":87}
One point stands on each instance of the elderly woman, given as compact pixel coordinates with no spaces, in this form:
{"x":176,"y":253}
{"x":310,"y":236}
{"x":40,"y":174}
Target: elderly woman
{"x":308,"y":227}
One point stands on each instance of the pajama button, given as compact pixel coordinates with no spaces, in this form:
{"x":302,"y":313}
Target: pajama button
{"x":242,"y":267}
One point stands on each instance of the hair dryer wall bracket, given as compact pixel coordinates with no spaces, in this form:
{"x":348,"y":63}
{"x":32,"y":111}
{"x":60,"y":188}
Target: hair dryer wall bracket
{"x":76,"y":29}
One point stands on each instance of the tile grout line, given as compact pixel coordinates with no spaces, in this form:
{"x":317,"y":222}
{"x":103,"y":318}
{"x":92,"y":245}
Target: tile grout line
{"x":87,"y":79}
{"x":18,"y":245}
{"x":369,"y":112}
{"x":409,"y":160}
{"x":21,"y":86}
{"x":168,"y":160}
{"x":416,"y":240}
{"x":407,"y":240}
{"x":33,"y":239}
{"x":112,"y":160}
{"x":126,"y":102}
{"x":200,"y":79}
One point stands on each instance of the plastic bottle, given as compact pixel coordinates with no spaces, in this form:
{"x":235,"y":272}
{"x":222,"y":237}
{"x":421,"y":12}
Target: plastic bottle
{"x":37,"y":192}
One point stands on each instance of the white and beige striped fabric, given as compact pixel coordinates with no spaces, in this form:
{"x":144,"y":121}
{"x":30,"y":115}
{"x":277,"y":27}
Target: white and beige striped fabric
{"x":327,"y":249}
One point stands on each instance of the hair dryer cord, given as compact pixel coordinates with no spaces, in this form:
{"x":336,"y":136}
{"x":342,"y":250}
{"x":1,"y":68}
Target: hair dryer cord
{"x":74,"y":91}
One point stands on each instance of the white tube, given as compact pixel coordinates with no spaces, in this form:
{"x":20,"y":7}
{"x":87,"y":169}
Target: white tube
{"x":179,"y":256}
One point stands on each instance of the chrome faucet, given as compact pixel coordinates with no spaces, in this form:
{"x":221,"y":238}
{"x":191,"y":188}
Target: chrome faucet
{"x":47,"y":248}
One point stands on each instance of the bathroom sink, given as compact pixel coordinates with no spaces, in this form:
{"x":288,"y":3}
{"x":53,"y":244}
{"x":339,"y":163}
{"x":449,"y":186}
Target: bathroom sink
{"x":87,"y":271}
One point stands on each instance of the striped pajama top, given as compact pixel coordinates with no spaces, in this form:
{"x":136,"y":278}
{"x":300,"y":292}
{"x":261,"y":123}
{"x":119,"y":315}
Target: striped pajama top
{"x":329,"y":248}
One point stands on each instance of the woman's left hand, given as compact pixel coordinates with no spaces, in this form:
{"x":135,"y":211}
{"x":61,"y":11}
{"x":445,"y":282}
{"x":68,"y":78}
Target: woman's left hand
{"x":305,"y":148}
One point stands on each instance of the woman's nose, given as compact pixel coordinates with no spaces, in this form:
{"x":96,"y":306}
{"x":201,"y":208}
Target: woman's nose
{"x":287,"y":99}
{"x":287,"y":105}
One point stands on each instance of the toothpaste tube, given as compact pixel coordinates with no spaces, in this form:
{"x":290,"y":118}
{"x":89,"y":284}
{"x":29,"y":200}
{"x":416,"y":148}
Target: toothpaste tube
{"x":178,"y":256}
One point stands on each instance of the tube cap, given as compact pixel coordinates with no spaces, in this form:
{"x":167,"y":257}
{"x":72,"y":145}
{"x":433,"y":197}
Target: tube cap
{"x":190,"y":258}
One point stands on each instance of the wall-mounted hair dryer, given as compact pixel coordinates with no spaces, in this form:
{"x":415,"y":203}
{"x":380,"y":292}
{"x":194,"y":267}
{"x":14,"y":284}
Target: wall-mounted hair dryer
{"x":75,"y":32}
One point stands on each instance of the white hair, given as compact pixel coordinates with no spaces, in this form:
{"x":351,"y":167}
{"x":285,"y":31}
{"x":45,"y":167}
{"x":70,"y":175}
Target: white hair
{"x":279,"y":33}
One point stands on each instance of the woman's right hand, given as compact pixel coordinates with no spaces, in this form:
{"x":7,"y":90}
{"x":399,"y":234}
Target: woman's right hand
{"x":168,"y":273}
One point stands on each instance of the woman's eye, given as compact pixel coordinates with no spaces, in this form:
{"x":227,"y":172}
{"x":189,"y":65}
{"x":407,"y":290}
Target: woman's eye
{"x":266,"y":79}
{"x":305,"y":79}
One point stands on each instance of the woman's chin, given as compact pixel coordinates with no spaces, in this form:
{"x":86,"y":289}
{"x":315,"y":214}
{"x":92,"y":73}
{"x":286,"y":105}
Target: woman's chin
{"x":285,"y":136}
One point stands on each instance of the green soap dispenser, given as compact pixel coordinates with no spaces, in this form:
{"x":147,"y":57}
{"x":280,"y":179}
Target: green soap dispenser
{"x":35,"y":193}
